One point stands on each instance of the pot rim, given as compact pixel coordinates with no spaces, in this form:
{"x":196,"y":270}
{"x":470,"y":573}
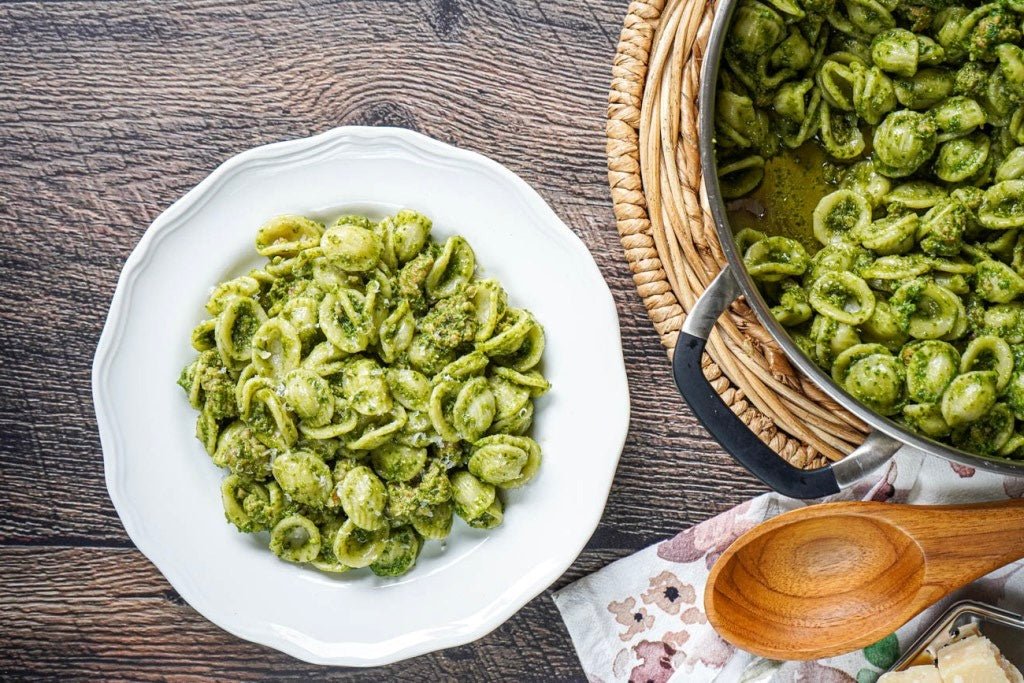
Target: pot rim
{"x":709,"y":172}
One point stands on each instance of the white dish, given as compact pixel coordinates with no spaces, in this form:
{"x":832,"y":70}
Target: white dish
{"x":166,"y":489}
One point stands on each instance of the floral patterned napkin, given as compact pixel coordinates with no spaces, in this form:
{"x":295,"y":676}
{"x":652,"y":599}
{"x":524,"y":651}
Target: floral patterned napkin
{"x":642,"y":618}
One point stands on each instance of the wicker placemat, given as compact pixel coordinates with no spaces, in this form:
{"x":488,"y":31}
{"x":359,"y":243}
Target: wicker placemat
{"x":669,"y":238}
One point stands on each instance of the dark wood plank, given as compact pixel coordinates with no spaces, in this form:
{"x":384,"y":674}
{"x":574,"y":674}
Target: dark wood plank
{"x":108,"y":113}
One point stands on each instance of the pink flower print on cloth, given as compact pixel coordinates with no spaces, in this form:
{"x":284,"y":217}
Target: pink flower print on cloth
{"x":660,"y":661}
{"x":709,"y":539}
{"x":656,"y":662}
{"x":635,"y":620}
{"x":669,"y":593}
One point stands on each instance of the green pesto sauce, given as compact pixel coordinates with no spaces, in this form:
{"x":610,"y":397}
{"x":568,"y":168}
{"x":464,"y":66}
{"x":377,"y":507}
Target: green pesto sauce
{"x":450,"y":323}
{"x":245,"y":327}
{"x":348,"y":401}
{"x":794,"y":182}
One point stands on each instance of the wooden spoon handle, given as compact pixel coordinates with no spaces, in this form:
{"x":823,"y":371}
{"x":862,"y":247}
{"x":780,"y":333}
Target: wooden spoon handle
{"x":961,"y":542}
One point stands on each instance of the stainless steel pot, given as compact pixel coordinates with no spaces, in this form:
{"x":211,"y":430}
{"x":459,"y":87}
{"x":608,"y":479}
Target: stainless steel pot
{"x":886,"y":437}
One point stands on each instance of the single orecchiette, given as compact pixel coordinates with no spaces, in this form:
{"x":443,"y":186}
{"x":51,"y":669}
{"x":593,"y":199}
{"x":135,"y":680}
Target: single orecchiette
{"x":916,"y":194}
{"x":410,"y":231}
{"x":433,"y":522}
{"x":474,"y":409}
{"x":924,"y":89}
{"x":452,"y":270}
{"x":756,"y":29}
{"x":775,"y":258}
{"x":235,"y":328}
{"x":287,"y":235}
{"x":865,"y":180}
{"x":931,"y":366}
{"x":839,"y":133}
{"x":470,"y":495}
{"x":989,"y":353}
{"x":505,"y":461}
{"x":346,"y":319}
{"x":351,"y":247}
{"x":296,"y":539}
{"x":248,"y":505}
{"x":903,"y":142}
{"x":927,"y":419}
{"x":843,"y":296}
{"x":240,"y":451}
{"x":1003,"y":206}
{"x":931,"y":310}
{"x":363,"y":498}
{"x":873,"y":94}
{"x":941,"y":229}
{"x":410,"y":388}
{"x":366,"y":387}
{"x":839,"y":213}
{"x":245,"y":287}
{"x":793,"y":307}
{"x":740,"y":177}
{"x":997,"y":282}
{"x":270,"y":420}
{"x":890,"y":235}
{"x":963,"y":157}
{"x":310,"y":397}
{"x":397,"y":462}
{"x":304,"y":477}
{"x":878,"y":381}
{"x":357,"y":547}
{"x":1011,"y":168}
{"x":957,"y":116}
{"x":969,"y":397}
{"x":399,"y":553}
{"x":276,"y":348}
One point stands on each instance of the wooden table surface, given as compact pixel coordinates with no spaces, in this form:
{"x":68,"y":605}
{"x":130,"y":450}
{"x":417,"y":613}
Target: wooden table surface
{"x":109,"y":111}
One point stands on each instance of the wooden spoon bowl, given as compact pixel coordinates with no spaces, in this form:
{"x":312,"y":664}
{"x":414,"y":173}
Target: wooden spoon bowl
{"x":828,"y":579}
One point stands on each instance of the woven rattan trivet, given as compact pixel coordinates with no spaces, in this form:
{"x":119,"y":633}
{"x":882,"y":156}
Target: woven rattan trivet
{"x":669,"y":236}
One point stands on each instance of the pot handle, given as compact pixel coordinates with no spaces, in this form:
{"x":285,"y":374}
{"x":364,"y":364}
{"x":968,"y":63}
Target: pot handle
{"x":734,"y":435}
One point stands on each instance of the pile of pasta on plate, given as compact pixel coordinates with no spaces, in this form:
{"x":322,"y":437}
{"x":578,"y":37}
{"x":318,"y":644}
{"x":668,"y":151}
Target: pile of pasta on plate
{"x":362,"y":388}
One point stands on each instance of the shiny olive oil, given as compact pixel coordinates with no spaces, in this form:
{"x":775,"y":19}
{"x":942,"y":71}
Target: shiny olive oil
{"x":783,"y":204}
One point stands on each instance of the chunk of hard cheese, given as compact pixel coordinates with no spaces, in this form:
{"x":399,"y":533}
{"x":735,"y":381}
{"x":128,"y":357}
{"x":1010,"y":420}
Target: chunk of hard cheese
{"x":976,"y":660}
{"x":915,"y":674}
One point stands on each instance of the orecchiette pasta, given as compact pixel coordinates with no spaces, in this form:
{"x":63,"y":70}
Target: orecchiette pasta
{"x":364,"y":387}
{"x":907,"y":283}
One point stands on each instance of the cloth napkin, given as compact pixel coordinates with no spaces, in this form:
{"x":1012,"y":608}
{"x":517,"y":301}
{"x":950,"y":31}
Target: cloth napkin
{"x":642,"y":618}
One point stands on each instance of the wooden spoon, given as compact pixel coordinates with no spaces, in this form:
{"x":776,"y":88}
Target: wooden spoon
{"x":829,"y":579}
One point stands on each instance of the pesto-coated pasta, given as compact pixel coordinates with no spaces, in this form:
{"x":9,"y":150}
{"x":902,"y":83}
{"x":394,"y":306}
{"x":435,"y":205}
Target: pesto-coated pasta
{"x":908,"y":283}
{"x":363,"y":387}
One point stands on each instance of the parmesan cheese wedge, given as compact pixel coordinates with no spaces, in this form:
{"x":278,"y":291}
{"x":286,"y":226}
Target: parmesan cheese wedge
{"x":915,"y":674}
{"x":970,"y":660}
{"x":976,"y":660}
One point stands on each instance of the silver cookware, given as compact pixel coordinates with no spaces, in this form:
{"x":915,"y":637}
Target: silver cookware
{"x":886,"y":437}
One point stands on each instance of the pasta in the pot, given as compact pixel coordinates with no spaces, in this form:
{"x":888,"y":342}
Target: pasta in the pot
{"x":909,"y":285}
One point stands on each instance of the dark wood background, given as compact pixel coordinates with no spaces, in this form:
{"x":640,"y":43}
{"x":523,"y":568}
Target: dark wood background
{"x":109,"y":111}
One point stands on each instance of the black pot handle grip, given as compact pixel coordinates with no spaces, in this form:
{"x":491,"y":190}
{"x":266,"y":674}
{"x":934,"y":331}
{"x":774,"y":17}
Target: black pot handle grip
{"x":733,"y":434}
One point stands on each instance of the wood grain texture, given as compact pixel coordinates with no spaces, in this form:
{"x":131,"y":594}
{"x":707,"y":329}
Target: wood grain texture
{"x":111,"y":111}
{"x":824,"y":580}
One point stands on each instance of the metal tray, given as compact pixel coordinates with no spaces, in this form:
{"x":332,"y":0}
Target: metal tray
{"x":1005,"y":629}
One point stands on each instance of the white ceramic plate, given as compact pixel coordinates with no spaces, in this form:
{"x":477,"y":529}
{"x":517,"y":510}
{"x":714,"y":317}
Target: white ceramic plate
{"x":166,"y":489}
